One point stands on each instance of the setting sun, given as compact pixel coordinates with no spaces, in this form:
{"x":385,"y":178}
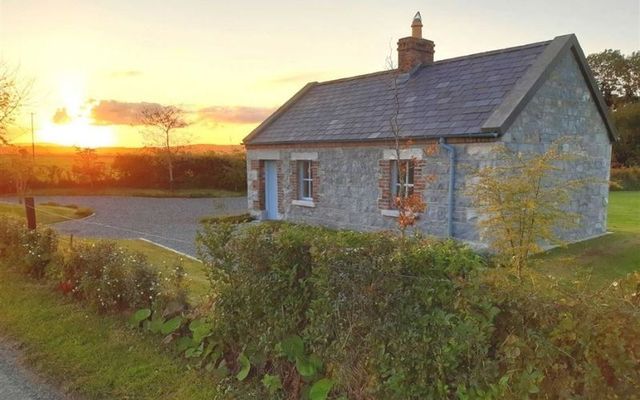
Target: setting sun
{"x":78,"y":132}
{"x":72,"y":124}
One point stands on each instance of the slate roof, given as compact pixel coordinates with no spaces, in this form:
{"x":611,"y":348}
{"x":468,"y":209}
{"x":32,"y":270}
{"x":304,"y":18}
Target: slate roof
{"x":452,"y":97}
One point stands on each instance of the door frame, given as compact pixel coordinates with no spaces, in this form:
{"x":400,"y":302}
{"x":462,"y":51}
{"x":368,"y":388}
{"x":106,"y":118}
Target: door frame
{"x":271,"y":190}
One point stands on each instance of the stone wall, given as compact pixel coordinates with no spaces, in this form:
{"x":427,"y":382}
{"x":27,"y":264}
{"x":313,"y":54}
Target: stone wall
{"x":350,"y":195}
{"x":563,"y":108}
{"x":352,"y":180}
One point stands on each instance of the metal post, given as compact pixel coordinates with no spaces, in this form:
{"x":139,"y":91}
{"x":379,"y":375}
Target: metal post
{"x":30,"y":209}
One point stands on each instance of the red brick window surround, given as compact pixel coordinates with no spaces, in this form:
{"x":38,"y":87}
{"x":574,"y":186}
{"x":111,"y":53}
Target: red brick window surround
{"x":389,"y":184}
{"x":305,"y":181}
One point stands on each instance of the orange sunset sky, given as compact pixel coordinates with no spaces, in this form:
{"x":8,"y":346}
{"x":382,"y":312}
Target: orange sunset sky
{"x":231,"y":63}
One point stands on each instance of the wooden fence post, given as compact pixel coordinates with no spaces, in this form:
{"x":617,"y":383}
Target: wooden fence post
{"x":30,"y":209}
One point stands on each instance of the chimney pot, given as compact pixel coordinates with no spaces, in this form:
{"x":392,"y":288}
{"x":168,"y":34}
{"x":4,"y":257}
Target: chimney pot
{"x":414,"y":50}
{"x":416,"y":26}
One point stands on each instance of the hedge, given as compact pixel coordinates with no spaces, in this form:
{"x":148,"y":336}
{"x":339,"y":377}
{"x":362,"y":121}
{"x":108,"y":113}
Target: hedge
{"x":375,"y":316}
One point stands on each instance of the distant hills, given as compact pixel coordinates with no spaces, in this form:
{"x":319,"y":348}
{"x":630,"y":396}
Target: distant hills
{"x":47,"y":149}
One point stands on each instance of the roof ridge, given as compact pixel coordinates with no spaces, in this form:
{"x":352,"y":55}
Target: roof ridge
{"x":492,"y":52}
{"x":446,"y":60}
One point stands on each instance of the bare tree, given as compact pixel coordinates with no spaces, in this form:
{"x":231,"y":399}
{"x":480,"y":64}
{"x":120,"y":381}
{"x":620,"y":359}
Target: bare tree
{"x":408,"y":203}
{"x":163,"y":125}
{"x":13,"y":96}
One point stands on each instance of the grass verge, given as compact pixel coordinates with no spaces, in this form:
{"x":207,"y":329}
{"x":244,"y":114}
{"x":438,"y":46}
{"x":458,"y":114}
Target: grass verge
{"x":94,"y":356}
{"x":47,"y":214}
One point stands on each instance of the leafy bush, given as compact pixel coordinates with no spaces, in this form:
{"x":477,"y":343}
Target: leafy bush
{"x":109,"y":277}
{"x":625,"y":178}
{"x":557,"y":341}
{"x":382,"y":316}
{"x":11,"y":235}
{"x":376,"y":316}
{"x":30,"y":250}
{"x":227,"y":219}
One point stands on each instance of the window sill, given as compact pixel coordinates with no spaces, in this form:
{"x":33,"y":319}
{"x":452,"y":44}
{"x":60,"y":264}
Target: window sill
{"x":395,"y":213}
{"x":390,"y":213}
{"x":303,"y":203}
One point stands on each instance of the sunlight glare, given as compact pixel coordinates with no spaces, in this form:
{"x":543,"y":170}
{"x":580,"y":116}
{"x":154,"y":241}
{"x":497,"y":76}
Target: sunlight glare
{"x":79,"y":130}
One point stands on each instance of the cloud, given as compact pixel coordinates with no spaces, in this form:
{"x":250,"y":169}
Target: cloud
{"x":113,"y":112}
{"x":125,"y":74}
{"x":234,"y":114}
{"x":61,"y":117}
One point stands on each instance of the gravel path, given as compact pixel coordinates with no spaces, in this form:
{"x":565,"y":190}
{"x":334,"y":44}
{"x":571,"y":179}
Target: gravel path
{"x":172,"y":222}
{"x":16,"y":383}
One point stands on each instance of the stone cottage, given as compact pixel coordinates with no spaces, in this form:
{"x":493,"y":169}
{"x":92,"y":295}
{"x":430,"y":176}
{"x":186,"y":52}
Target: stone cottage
{"x":327,"y":155}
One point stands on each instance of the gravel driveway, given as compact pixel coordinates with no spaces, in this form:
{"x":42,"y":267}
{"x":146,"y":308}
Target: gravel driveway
{"x":16,"y":383}
{"x":172,"y":222}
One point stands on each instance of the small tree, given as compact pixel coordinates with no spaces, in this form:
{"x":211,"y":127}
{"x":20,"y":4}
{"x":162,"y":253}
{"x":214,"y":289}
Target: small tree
{"x":87,"y":167}
{"x":523,"y":202}
{"x":163,"y":132}
{"x":13,"y":96}
{"x":409,"y":205}
{"x":20,"y":168}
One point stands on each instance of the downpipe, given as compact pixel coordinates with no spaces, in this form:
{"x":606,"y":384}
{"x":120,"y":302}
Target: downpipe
{"x":452,"y":184}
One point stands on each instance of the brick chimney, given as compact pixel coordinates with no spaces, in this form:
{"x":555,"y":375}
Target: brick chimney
{"x":414,"y":50}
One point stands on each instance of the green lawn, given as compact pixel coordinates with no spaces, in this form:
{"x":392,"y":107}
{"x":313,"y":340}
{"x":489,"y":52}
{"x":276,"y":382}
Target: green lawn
{"x":602,"y":260}
{"x":46,"y":214}
{"x":94,"y":356}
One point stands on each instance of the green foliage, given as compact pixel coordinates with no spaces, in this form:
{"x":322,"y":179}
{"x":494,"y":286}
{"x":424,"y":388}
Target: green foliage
{"x":245,"y":367}
{"x":230,"y":219}
{"x":618,"y":76}
{"x":212,"y":170}
{"x":139,"y":316}
{"x":557,"y":341}
{"x":171,"y":325}
{"x":272,"y":383}
{"x":625,"y":178}
{"x":626,"y":150}
{"x":524,"y":199}
{"x":30,"y":250}
{"x":110,"y":278}
{"x":383,"y":316}
{"x":320,"y":390}
{"x":323,"y":314}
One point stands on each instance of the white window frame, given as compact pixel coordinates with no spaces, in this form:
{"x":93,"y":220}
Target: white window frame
{"x":396,"y":185}
{"x":305,"y":180}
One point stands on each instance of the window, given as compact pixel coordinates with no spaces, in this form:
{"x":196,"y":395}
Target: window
{"x":305,"y":180}
{"x":402,"y":187}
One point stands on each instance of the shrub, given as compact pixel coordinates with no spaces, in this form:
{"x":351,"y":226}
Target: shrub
{"x":384,"y":317}
{"x":376,"y":316}
{"x":30,"y":250}
{"x":561,"y":342}
{"x":625,"y":178}
{"x":11,"y":235}
{"x":227,"y":219}
{"x":109,"y":277}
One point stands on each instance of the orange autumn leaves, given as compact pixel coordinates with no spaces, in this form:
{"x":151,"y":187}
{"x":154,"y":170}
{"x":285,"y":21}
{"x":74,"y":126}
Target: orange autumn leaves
{"x":411,"y":205}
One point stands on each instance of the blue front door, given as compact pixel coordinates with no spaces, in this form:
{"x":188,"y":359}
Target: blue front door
{"x":271,"y":189}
